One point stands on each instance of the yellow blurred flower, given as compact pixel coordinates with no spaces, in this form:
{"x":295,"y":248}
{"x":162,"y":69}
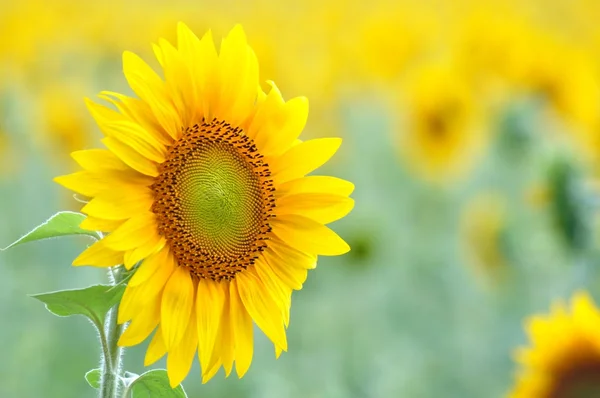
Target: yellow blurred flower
{"x":568,"y":78}
{"x":483,"y":227}
{"x":65,"y":126}
{"x":563,"y":359}
{"x":25,"y":28}
{"x":388,"y":39}
{"x":442,"y":136}
{"x":494,"y":44}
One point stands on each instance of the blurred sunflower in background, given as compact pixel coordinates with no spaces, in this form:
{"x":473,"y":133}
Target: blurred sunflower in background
{"x":442,"y":137}
{"x":483,"y":230}
{"x":204,"y":182}
{"x":563,"y":360}
{"x":495,"y":48}
{"x":380,"y":55}
{"x":65,"y":121}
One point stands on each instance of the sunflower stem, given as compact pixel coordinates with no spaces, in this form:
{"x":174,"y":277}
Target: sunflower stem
{"x":110,"y":381}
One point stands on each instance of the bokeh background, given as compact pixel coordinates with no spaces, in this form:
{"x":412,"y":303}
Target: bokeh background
{"x":471,"y":130}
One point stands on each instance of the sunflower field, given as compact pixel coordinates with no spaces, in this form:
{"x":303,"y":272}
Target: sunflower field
{"x":462,"y":253}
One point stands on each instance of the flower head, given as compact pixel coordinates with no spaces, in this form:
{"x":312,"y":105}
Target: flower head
{"x":204,"y":185}
{"x":442,"y":137}
{"x":564,"y":357}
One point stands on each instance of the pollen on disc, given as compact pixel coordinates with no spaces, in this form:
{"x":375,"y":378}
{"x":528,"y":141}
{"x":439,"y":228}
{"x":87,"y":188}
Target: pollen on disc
{"x":213,"y":200}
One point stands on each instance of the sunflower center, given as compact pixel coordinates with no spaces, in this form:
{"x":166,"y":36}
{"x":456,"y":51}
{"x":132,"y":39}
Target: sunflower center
{"x":580,"y":381}
{"x":213,"y":200}
{"x":439,"y":122}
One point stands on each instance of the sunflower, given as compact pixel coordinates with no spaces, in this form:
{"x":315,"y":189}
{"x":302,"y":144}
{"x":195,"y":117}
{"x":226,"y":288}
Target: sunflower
{"x":483,"y":231}
{"x":63,"y":128}
{"x":442,"y":137}
{"x":564,"y":360}
{"x":204,"y":186}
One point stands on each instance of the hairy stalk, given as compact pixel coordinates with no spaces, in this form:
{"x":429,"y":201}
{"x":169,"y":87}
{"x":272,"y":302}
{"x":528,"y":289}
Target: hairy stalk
{"x":110,"y":382}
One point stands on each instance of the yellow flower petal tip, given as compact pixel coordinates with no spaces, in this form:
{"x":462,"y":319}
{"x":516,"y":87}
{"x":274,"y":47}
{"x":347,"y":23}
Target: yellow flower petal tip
{"x":237,"y":32}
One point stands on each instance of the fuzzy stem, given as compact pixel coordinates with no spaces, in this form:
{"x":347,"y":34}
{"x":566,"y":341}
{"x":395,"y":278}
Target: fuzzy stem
{"x":111,"y":359}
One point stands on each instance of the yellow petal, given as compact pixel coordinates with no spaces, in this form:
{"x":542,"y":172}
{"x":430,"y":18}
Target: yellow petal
{"x":204,"y":64}
{"x":315,"y":184}
{"x":139,"y":112}
{"x":187,"y":41}
{"x":290,"y":256}
{"x":303,"y":158}
{"x":178,"y":82}
{"x":137,"y":296}
{"x":131,"y":157}
{"x":150,"y":265}
{"x":142,"y":325}
{"x":121,"y":204}
{"x":154,"y":245}
{"x":132,"y":135}
{"x":179,"y":360}
{"x":134,"y":232}
{"x":98,"y":255}
{"x":323,"y":208}
{"x":102,"y":114}
{"x":283,"y":127}
{"x":98,"y":160}
{"x":223,"y":353}
{"x":238,"y":78}
{"x":188,"y":45}
{"x":210,"y":299}
{"x":308,"y":236}
{"x":174,"y":72}
{"x":241,"y":324}
{"x":261,"y":307}
{"x":206,"y":376}
{"x":150,"y":88}
{"x":582,"y":303}
{"x":156,"y":348}
{"x":117,"y":125}
{"x":271,"y":107}
{"x":98,"y":224}
{"x":177,"y":305}
{"x":251,"y":125}
{"x":91,"y":184}
{"x":280,"y":291}
{"x":83,"y":182}
{"x":293,"y":277}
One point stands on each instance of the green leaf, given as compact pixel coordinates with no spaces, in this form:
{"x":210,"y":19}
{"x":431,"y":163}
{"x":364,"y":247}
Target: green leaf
{"x":92,"y":302}
{"x":155,"y":383}
{"x":61,"y":224}
{"x":93,"y":378}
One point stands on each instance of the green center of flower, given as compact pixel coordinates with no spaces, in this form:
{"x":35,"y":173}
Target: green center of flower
{"x":220,"y":197}
{"x":213,"y":200}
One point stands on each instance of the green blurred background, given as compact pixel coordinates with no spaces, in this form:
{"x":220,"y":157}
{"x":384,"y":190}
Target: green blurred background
{"x":471,"y":131}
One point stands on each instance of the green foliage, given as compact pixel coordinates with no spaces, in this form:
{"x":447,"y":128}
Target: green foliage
{"x":63,"y":223}
{"x":570,"y":215}
{"x":154,"y":383}
{"x":93,"y":302}
{"x":93,"y":378}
